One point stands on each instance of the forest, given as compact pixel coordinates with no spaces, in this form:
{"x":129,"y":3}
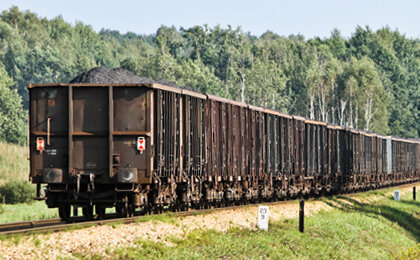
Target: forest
{"x":369,"y":80}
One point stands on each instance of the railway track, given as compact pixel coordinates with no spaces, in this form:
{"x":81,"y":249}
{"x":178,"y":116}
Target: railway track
{"x":15,"y":226}
{"x":54,"y":225}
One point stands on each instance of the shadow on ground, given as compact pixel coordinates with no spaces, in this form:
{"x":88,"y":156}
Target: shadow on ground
{"x":411,"y":202}
{"x":409,"y":221}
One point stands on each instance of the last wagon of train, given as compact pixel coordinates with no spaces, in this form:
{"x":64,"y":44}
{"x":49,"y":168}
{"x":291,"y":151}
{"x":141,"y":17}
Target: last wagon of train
{"x":150,"y":146}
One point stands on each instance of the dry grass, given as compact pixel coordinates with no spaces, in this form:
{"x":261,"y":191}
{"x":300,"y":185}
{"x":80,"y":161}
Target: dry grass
{"x":13,"y":162}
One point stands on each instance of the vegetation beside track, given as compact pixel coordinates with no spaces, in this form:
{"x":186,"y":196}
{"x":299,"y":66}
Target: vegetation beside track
{"x":369,"y":226}
{"x":14,"y":170}
{"x":382,"y":229}
{"x":26,"y":211}
{"x":14,"y":165}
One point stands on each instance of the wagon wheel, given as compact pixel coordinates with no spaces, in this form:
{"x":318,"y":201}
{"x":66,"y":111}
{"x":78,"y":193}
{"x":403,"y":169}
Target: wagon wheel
{"x":176,"y":206}
{"x":148,"y":209}
{"x":157,"y":209}
{"x":131,"y":211}
{"x":197,"y":205}
{"x":88,"y":212}
{"x":100,"y":210}
{"x":184,"y":206}
{"x":123,"y":210}
{"x":172,"y":207}
{"x":64,"y":211}
{"x":207,"y":205}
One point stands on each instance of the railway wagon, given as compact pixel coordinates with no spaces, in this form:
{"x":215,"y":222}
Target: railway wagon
{"x":151,"y":146}
{"x":92,"y":145}
{"x":132,"y":145}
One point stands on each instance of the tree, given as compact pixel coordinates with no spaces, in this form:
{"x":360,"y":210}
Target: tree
{"x":367,"y":98}
{"x":370,"y":80}
{"x":12,"y":115}
{"x":266,"y":84}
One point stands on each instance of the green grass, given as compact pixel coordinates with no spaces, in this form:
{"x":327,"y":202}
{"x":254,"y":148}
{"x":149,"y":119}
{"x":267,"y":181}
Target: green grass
{"x":371,"y":193}
{"x":14,"y":164}
{"x":384,"y":229}
{"x":167,"y":217}
{"x":26,"y":211}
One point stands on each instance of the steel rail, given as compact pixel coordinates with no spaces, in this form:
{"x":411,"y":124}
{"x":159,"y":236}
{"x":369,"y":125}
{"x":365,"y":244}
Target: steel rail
{"x":54,"y":225}
{"x":28,"y":224}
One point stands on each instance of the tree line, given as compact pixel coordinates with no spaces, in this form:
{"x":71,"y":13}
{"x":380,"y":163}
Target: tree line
{"x":368,"y":81}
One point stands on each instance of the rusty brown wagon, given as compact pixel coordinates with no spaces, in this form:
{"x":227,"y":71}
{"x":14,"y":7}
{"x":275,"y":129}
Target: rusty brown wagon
{"x":151,"y":146}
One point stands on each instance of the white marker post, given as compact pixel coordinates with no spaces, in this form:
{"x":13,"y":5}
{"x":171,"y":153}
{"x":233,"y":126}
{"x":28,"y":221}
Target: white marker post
{"x":397,"y":195}
{"x":263,"y":212}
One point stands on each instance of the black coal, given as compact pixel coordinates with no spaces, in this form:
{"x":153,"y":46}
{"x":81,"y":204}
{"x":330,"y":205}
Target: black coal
{"x":102,"y":75}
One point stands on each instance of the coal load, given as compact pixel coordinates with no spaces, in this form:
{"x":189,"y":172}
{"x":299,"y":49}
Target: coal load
{"x":102,"y":75}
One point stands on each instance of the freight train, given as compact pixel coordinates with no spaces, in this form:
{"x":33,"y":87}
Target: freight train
{"x":154,"y":147}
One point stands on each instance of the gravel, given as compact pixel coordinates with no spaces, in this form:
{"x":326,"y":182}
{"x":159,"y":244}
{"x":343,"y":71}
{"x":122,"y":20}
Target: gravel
{"x":99,"y":240}
{"x":102,"y":240}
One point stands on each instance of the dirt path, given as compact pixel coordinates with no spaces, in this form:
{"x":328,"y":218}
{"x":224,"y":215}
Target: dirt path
{"x":96,"y":240}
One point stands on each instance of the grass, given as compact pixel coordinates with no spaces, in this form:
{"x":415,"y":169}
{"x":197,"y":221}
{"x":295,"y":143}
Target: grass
{"x":384,"y":229}
{"x":13,"y":162}
{"x":26,"y":211}
{"x":167,"y":217}
{"x":15,"y":166}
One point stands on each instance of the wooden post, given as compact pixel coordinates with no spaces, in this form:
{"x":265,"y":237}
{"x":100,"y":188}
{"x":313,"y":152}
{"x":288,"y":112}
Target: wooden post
{"x":414,"y":193}
{"x":301,"y":215}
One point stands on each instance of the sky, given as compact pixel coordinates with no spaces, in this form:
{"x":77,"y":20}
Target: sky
{"x":307,"y":17}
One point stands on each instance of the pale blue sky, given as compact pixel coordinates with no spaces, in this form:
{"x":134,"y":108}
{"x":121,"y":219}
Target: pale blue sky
{"x":309,"y":18}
